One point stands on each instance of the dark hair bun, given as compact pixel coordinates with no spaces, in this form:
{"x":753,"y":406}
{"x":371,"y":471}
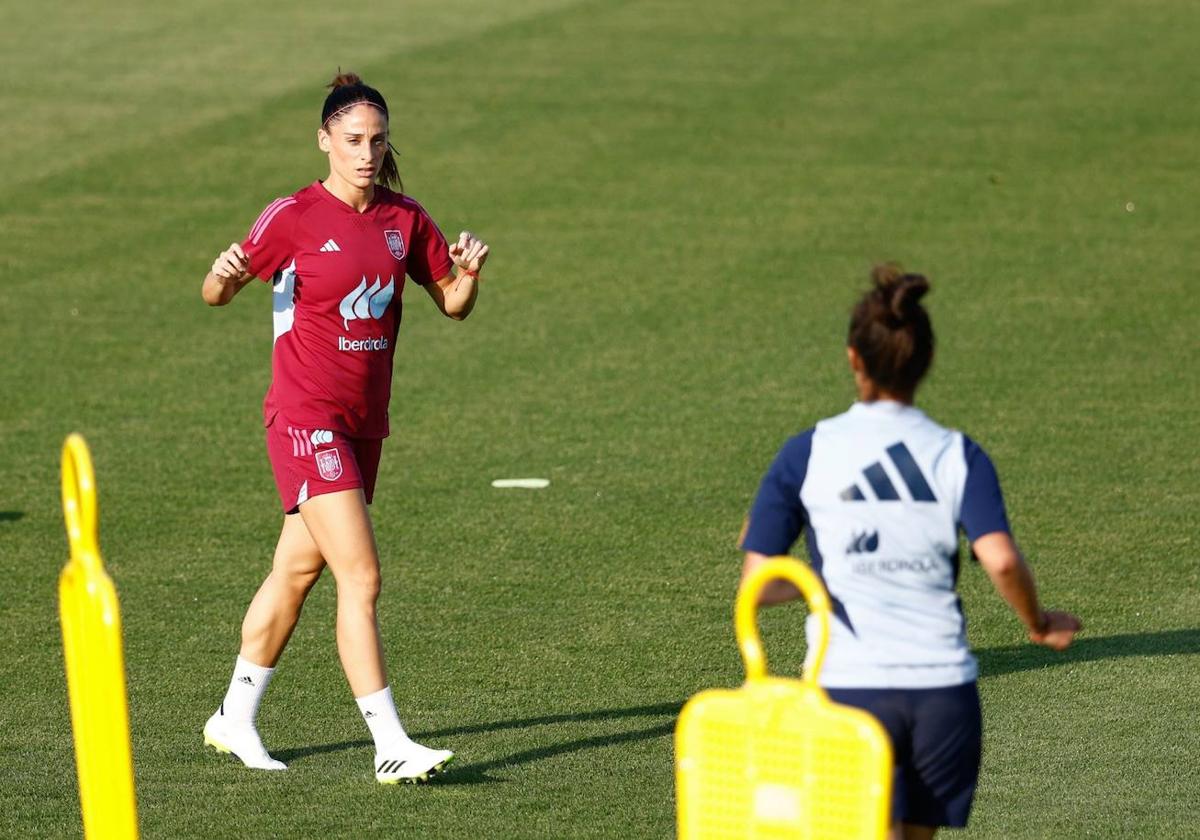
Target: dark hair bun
{"x":345,"y":80}
{"x":900,"y":291}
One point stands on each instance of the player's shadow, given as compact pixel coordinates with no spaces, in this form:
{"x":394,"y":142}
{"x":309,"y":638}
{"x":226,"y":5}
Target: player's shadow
{"x":476,"y":772}
{"x":11,"y":515}
{"x":995,"y":662}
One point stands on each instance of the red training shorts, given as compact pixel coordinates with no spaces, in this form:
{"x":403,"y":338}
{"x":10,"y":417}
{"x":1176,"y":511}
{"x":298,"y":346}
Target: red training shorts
{"x":310,"y":462}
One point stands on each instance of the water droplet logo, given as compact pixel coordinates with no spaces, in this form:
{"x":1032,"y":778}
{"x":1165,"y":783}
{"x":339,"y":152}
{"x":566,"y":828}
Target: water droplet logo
{"x":366,"y":303}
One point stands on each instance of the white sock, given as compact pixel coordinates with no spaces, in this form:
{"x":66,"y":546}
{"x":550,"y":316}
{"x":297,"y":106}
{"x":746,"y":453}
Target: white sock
{"x":245,"y":692}
{"x":379,"y":712}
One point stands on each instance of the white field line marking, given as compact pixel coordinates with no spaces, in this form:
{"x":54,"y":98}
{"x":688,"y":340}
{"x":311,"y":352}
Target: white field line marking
{"x":524,"y":483}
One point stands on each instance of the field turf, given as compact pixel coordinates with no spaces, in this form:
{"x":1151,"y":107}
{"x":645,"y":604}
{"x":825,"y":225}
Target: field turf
{"x":683,"y":200}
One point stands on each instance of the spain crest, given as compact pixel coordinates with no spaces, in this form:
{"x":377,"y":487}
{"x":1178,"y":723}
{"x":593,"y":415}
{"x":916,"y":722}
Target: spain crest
{"x":329,"y":464}
{"x":395,"y":243}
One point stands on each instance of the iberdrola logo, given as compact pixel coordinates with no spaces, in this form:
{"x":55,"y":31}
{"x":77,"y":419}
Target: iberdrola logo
{"x":366,"y":303}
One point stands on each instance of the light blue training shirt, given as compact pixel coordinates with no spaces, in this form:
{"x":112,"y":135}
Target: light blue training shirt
{"x":880,"y":493}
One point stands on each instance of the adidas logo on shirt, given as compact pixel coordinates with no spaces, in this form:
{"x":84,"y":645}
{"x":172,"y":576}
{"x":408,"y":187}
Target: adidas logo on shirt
{"x":881,"y":485}
{"x":330,"y":246}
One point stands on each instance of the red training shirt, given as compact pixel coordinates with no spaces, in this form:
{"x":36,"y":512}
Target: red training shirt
{"x":338,"y":275}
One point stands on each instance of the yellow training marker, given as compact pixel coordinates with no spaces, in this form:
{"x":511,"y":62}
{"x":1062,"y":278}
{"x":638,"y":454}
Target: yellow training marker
{"x":91,"y":625}
{"x":776,"y":758}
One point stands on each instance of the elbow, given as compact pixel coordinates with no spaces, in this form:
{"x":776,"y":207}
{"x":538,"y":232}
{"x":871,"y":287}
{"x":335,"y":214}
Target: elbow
{"x":213,"y":293}
{"x":1005,"y":566}
{"x":457,"y":314}
{"x":212,"y":299}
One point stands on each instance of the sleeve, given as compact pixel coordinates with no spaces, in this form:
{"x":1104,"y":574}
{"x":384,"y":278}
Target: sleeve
{"x":983,"y":504}
{"x":269,"y":243}
{"x":777,"y":517}
{"x":429,"y":254}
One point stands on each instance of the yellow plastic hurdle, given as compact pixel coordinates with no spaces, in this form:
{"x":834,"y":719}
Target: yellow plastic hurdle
{"x":91,"y":626}
{"x":776,"y":758}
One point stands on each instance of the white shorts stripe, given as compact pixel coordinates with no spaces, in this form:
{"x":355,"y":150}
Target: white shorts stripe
{"x":302,"y":444}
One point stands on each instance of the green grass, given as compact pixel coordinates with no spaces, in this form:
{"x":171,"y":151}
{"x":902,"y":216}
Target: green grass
{"x":683,"y":200}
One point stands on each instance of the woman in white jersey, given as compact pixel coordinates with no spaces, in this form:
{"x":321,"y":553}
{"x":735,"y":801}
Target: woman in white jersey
{"x":880,"y":494}
{"x":337,"y":253}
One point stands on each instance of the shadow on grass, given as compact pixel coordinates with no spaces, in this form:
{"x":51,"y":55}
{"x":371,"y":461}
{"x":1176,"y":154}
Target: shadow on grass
{"x":657,"y":709}
{"x":477,"y":772}
{"x":995,"y":662}
{"x":11,"y":515}
{"x":288,"y":756}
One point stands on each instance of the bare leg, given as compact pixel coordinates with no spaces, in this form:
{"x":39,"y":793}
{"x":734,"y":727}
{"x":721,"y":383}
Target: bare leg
{"x":268,"y":625}
{"x":340,"y":527}
{"x":273,"y":613}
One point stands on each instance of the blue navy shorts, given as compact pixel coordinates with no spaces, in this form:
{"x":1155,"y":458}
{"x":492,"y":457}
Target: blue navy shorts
{"x":937,"y":737}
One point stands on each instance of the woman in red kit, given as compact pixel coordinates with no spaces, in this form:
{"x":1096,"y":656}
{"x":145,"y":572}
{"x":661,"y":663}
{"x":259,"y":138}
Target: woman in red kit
{"x":336,"y":253}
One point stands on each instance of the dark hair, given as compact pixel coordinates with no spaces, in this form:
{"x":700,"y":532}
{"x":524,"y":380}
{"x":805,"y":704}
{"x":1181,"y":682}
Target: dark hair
{"x":347,"y":90}
{"x":891,"y":331}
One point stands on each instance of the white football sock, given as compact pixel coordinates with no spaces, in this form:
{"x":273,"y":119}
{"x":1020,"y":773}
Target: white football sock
{"x":245,"y":692}
{"x":379,"y":712}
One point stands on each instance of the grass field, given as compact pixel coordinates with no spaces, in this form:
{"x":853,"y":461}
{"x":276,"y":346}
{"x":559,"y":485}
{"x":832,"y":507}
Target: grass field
{"x":683,"y":200}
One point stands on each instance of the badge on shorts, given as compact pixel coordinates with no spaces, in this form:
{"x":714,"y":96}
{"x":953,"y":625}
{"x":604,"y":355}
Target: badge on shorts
{"x":395,"y":243}
{"x":329,"y":464}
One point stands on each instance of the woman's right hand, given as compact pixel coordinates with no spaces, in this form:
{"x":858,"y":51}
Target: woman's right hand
{"x":1057,"y":631}
{"x":232,"y":264}
{"x":230,"y":272}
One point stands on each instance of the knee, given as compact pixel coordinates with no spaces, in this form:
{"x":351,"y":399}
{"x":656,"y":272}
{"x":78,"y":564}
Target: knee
{"x":360,"y":584}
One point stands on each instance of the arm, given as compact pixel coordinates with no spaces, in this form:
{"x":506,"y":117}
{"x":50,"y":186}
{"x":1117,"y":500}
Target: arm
{"x":1001,"y":559}
{"x":229,"y":273}
{"x":777,"y":517}
{"x":454,"y":295}
{"x":778,"y":591}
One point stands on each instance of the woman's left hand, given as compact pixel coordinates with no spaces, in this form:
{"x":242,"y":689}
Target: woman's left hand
{"x":469,"y":253}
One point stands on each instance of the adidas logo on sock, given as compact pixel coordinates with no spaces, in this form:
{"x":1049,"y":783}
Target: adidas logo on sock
{"x":368,"y":714}
{"x":330,"y":246}
{"x":246,"y":680}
